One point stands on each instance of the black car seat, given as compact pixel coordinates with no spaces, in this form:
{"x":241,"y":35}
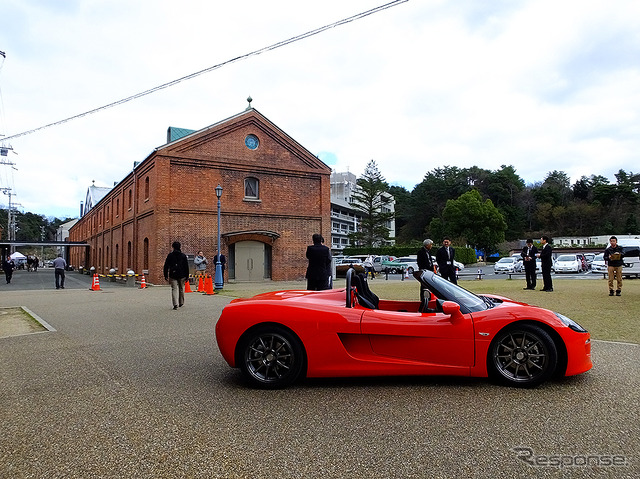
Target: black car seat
{"x":367,"y":293}
{"x":357,"y":282}
{"x":427,"y":302}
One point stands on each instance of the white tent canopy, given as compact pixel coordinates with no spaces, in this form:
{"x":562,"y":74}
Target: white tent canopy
{"x":17,"y":255}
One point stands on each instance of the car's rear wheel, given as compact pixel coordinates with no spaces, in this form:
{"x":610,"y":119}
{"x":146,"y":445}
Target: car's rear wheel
{"x":522,"y":356}
{"x":271,"y":357}
{"x":410,"y":270}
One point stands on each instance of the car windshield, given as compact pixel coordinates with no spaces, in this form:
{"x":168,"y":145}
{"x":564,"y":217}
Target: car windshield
{"x":506,"y":260}
{"x":566,"y":257}
{"x":599,"y":257}
{"x":443,"y":289}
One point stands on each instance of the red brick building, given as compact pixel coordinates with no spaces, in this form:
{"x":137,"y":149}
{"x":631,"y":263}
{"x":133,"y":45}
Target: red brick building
{"x":276,"y":194}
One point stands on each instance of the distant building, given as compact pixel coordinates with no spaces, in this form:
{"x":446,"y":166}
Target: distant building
{"x":588,"y":241}
{"x":276,"y":195}
{"x":345,"y":218}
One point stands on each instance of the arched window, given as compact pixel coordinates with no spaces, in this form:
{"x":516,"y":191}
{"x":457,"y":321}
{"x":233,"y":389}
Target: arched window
{"x":130,"y":199}
{"x":129,"y":265}
{"x":251,"y":188}
{"x":146,"y":188}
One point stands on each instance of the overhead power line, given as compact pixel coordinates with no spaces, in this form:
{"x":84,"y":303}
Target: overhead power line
{"x":219,"y":65}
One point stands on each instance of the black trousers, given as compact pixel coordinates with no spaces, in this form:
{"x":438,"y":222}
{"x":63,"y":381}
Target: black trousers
{"x":59,"y":278}
{"x":530,"y":275}
{"x":546,"y":278}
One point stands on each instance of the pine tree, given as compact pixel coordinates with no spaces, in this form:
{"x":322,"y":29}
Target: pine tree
{"x":370,"y":199}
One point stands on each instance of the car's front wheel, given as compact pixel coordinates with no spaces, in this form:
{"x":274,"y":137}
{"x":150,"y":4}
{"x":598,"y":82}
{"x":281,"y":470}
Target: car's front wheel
{"x":523,"y":355}
{"x":270,"y":357}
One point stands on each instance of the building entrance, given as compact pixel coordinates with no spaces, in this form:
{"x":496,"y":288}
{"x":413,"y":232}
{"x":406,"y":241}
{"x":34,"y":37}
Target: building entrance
{"x":249,"y":261}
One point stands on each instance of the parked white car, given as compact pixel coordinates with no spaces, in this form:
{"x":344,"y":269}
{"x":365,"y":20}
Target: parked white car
{"x":598,"y":265}
{"x":568,"y":263}
{"x":411,"y":263}
{"x":459,"y":266}
{"x":631,"y":248}
{"x":509,"y":264}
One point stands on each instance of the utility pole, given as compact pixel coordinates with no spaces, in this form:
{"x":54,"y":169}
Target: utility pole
{"x":10,"y":216}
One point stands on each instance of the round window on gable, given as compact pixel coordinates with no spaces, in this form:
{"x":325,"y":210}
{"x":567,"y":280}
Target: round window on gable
{"x":252,"y":142}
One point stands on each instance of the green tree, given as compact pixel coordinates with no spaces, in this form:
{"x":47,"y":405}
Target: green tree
{"x":477,"y":222}
{"x":371,"y":199}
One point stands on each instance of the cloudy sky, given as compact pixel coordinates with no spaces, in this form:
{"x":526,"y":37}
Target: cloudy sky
{"x":540,"y":85}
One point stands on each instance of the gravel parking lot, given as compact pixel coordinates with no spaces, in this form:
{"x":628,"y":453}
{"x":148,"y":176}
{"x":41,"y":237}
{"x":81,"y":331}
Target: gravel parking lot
{"x":127,"y":387}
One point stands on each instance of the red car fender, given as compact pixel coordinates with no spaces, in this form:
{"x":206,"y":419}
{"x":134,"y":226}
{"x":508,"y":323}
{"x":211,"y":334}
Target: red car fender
{"x":239,"y":316}
{"x":576,"y":346}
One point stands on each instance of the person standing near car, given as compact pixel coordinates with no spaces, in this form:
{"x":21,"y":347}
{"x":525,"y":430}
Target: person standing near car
{"x":613,"y":258}
{"x":444,"y":258}
{"x":319,"y":268}
{"x":546,"y":260}
{"x":176,"y":271}
{"x":529,"y":254}
{"x":424,"y":258}
{"x":368,"y":267}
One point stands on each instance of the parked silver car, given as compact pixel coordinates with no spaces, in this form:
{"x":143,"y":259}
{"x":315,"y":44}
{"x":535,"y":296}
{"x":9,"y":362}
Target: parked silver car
{"x":509,"y":264}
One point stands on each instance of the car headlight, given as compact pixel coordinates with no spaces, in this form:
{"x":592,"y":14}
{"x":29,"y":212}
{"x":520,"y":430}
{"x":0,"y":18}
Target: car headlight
{"x":570,"y":323}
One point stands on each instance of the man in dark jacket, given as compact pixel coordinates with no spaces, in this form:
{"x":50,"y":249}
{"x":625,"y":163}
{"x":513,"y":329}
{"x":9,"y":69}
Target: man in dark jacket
{"x":613,"y":257}
{"x":8,"y":267}
{"x":425,"y":260}
{"x":528,"y":254}
{"x":444,"y":258}
{"x":176,"y":271}
{"x":546,"y":261}
{"x":319,"y":269}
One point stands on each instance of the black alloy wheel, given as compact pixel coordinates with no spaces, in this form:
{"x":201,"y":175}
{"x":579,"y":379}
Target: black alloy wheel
{"x":523,"y":355}
{"x":271,"y":357}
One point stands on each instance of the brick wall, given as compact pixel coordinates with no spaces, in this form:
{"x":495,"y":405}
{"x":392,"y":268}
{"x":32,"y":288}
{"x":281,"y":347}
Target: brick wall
{"x":171,"y":196}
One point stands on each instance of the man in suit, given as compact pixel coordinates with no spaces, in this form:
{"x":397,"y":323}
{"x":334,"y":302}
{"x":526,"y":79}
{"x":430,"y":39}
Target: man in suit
{"x":444,"y":258}
{"x":547,"y":261}
{"x":528,"y":254}
{"x":424,"y":258}
{"x":319,"y":269}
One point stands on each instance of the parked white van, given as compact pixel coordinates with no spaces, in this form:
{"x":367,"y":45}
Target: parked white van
{"x":631,"y":248}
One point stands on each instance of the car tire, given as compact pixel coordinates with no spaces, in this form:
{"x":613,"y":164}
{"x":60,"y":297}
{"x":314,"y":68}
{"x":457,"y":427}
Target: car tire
{"x":270,"y":356}
{"x":410,"y":270}
{"x":523,"y":355}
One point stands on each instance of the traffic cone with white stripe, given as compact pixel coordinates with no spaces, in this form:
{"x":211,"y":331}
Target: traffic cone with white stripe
{"x":95,"y":286}
{"x":143,"y":282}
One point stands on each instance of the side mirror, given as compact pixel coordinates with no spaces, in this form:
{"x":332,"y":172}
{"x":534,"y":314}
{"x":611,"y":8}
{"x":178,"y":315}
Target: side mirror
{"x":452,"y":309}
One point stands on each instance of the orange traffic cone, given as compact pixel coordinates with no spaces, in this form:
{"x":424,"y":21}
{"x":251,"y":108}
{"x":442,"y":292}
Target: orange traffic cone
{"x":187,"y":286}
{"x":143,"y":282}
{"x":95,"y":286}
{"x":200,"y":288}
{"x":208,"y":285}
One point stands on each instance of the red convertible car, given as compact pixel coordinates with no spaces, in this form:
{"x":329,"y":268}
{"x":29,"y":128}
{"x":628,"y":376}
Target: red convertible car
{"x":276,"y":338}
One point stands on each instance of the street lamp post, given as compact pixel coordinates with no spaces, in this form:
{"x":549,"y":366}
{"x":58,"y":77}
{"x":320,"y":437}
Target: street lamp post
{"x":219,"y":281}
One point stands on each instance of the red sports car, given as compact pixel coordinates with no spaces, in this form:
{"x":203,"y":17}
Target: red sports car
{"x":277,"y":338}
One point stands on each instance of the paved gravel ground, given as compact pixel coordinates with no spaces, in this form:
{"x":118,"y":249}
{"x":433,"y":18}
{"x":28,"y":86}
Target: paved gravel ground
{"x":127,"y":387}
